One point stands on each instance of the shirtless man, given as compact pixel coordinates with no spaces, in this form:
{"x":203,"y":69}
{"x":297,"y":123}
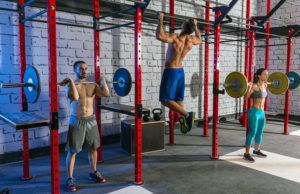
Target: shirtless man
{"x":173,"y":83}
{"x":83,"y":129}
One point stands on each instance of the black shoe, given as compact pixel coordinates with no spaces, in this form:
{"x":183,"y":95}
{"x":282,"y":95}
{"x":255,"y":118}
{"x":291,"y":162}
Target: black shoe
{"x":183,"y":125}
{"x":97,"y":177}
{"x":248,"y":157}
{"x":190,"y":120}
{"x":259,"y":153}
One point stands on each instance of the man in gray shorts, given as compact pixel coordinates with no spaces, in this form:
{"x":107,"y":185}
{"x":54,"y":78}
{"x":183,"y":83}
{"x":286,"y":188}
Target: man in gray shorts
{"x":83,"y":130}
{"x":83,"y":133}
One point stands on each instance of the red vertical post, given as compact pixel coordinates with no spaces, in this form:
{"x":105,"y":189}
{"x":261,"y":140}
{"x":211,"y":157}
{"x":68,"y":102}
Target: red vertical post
{"x":171,"y":112}
{"x":246,"y":72}
{"x":267,"y":50}
{"x":206,"y":69}
{"x":171,"y":127}
{"x":172,"y":12}
{"x":251,"y":63}
{"x":251,"y":56}
{"x":25,"y":143}
{"x":287,"y":93}
{"x":53,"y":88}
{"x":215,"y":143}
{"x":97,"y":75}
{"x":138,"y":95}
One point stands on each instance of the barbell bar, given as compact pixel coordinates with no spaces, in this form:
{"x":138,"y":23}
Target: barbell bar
{"x":15,"y":85}
{"x":18,"y":85}
{"x":122,"y":83}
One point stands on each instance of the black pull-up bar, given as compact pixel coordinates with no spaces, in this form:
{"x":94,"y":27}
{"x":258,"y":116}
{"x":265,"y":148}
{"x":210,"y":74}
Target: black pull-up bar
{"x":261,"y":20}
{"x":263,"y":46}
{"x":114,"y":13}
{"x":296,"y":31}
{"x":224,"y":11}
{"x":116,"y":26}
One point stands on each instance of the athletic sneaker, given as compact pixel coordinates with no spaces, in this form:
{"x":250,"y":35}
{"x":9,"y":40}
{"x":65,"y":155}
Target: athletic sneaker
{"x":97,"y":177}
{"x":71,"y":186}
{"x":183,"y":125}
{"x":248,"y":157}
{"x":190,"y":120}
{"x":259,"y":153}
{"x":187,"y":123}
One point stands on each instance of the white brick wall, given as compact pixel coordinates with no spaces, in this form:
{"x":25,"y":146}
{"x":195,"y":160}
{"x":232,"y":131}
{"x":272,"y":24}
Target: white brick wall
{"x":278,"y":54}
{"x":116,"y":51}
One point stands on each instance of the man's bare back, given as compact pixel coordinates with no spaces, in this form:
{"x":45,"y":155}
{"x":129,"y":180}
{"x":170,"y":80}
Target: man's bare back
{"x":178,"y":50}
{"x":179,"y":45}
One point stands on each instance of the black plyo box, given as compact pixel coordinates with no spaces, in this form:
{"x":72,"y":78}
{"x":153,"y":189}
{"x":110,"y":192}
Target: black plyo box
{"x":153,"y":136}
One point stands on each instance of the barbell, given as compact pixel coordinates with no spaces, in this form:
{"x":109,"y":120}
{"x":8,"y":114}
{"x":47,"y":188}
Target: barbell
{"x":236,"y":83}
{"x":122,"y":83}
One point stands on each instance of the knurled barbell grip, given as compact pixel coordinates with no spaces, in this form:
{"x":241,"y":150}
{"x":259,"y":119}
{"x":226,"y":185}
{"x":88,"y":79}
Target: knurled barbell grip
{"x":113,"y":82}
{"x":15,"y":85}
{"x":116,"y":82}
{"x":222,"y":84}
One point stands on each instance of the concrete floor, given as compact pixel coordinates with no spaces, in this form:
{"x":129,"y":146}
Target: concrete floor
{"x":185,"y":167}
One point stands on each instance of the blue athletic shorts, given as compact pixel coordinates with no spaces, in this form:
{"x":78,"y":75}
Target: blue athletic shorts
{"x":172,"y":85}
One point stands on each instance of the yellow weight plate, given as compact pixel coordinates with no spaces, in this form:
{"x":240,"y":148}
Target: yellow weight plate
{"x":278,"y":83}
{"x":236,"y":84}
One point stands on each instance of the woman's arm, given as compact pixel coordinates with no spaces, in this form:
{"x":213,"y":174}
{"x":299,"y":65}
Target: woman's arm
{"x":249,"y":90}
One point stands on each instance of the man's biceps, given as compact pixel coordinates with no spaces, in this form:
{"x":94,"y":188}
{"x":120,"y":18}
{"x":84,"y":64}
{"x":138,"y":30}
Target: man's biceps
{"x":165,"y":39}
{"x":170,"y":40}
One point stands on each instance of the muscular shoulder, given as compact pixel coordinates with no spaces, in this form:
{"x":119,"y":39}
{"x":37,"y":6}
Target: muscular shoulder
{"x":189,"y":37}
{"x":174,"y":36}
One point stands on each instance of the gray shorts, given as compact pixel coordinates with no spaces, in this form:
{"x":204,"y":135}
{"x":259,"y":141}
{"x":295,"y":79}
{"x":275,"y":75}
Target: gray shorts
{"x":83,"y":133}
